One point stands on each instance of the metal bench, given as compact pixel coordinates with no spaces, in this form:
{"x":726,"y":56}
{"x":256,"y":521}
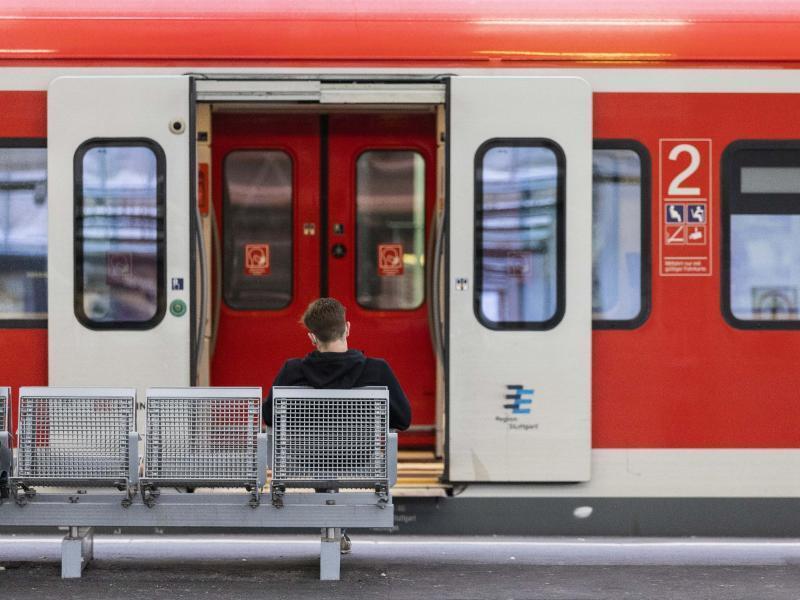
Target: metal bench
{"x":335,"y":444}
{"x":204,"y":437}
{"x":330,"y":440}
{"x":75,"y":438}
{"x":5,"y":442}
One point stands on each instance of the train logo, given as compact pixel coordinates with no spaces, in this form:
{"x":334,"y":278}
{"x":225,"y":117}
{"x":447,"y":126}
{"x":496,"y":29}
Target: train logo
{"x":522,"y":399}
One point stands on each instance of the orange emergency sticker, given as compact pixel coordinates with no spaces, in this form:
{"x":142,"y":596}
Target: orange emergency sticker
{"x":390,"y":260}
{"x":256,"y":259}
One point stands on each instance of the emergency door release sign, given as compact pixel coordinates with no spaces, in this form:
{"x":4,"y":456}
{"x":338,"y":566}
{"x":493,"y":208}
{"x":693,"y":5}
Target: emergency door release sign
{"x":390,"y":260}
{"x":685,"y":207}
{"x":256,"y":259}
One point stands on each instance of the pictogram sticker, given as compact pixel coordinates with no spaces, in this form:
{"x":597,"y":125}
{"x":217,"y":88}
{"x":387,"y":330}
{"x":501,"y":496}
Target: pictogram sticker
{"x":519,"y":264}
{"x":696,"y":213}
{"x":675,"y":234}
{"x":119,"y":266}
{"x":674,"y":213}
{"x":685,"y":192}
{"x":696,"y":234}
{"x":390,"y":260}
{"x":256,"y":259}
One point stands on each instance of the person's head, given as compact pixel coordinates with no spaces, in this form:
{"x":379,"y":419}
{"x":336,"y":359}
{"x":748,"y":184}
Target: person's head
{"x":326,"y":323}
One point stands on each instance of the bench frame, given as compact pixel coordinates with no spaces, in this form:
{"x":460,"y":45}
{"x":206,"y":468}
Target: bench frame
{"x":81,"y":509}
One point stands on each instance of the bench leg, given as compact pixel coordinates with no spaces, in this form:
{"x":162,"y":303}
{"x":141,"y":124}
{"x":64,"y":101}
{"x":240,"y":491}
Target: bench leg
{"x":77,"y":549}
{"x":330,"y":554}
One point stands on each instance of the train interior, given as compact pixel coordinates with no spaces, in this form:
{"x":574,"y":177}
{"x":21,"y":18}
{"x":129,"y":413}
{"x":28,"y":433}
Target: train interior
{"x":342,"y":202}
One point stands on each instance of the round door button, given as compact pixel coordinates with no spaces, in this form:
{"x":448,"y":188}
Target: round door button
{"x":338,"y":251}
{"x":177,"y":308}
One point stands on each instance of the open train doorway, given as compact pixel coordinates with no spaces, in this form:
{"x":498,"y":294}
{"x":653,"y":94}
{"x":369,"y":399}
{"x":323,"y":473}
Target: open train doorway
{"x":340,"y":204}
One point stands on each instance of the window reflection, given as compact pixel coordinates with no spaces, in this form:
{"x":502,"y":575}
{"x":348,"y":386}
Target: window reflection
{"x":119,"y":229}
{"x":23,"y":233}
{"x":257,"y":222}
{"x":390,"y":205}
{"x":765,"y":267}
{"x":616,"y":234}
{"x":518,"y":231}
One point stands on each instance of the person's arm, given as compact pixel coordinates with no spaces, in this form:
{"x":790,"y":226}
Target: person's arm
{"x":266,"y":406}
{"x":399,"y":406}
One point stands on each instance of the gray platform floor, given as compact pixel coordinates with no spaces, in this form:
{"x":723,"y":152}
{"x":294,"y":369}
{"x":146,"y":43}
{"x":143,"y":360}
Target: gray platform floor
{"x":272,"y":566}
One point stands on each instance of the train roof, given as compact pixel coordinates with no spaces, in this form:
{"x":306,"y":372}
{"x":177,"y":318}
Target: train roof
{"x":381,"y":32}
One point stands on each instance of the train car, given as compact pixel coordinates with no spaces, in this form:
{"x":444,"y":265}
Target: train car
{"x":572,"y":228}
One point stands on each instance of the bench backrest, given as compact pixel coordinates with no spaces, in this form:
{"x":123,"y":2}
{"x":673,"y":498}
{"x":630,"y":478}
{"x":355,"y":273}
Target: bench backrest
{"x":202,"y":436}
{"x":5,"y":402}
{"x":75,"y":435}
{"x":330,"y":438}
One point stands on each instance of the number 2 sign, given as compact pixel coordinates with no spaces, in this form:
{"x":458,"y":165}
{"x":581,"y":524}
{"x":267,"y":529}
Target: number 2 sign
{"x":685,"y":207}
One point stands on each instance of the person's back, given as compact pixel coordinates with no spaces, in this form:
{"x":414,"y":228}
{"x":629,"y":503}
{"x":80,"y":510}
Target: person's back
{"x":334,"y":366}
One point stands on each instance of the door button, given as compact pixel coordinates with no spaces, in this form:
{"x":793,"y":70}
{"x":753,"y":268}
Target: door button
{"x":338,"y":251}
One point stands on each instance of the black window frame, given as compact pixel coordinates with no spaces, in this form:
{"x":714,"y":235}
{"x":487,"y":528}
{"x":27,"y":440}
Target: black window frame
{"x":645,"y":231}
{"x":425,"y":229}
{"x":735,"y":202}
{"x":11,"y":143}
{"x":561,"y":231}
{"x":227,"y":230}
{"x":161,"y":228}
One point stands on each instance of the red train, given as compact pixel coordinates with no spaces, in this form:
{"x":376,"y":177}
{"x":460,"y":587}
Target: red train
{"x":573,"y":230}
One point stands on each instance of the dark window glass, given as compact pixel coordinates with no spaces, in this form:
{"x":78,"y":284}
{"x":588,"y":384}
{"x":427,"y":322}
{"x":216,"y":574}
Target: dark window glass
{"x":761,"y":242}
{"x":390,"y":213}
{"x":257,"y":272}
{"x":23,"y":234}
{"x":119,"y":234}
{"x":616,"y":235}
{"x":520,"y":234}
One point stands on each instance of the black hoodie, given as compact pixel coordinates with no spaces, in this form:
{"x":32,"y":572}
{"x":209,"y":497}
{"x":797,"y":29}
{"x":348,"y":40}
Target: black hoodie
{"x":341,"y":371}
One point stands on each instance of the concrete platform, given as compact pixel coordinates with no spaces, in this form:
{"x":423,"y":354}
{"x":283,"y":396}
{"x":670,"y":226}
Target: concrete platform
{"x":408,"y":567}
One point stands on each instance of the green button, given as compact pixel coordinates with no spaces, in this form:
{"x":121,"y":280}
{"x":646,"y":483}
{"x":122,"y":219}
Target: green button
{"x":177,"y":308}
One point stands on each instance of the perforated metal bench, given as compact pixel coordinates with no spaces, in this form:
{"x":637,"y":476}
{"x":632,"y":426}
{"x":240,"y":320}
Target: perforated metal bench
{"x":334,"y":463}
{"x":5,"y":442}
{"x":204,"y":437}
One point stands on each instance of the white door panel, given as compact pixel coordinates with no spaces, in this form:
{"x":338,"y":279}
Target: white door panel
{"x":492,"y":437}
{"x":125,"y":109}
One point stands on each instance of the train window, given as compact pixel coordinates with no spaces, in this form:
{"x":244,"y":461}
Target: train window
{"x":390,"y":229}
{"x":519,"y":234}
{"x":120,"y":192}
{"x":761,"y":234}
{"x":620,"y":207}
{"x":257,"y":223}
{"x":23,"y":233}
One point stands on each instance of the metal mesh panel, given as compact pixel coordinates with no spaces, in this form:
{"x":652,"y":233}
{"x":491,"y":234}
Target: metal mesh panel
{"x":67,"y":439}
{"x":208,"y":441}
{"x":338,"y":441}
{"x":4,"y":402}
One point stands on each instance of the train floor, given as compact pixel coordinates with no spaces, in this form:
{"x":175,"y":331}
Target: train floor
{"x":396,"y":567}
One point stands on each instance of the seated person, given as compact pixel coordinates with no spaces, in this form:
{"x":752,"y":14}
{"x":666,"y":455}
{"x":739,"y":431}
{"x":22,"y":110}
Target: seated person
{"x":333,"y":366}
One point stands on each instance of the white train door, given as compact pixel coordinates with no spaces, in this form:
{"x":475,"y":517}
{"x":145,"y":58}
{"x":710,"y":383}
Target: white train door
{"x":519,"y":279}
{"x":119,"y":251}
